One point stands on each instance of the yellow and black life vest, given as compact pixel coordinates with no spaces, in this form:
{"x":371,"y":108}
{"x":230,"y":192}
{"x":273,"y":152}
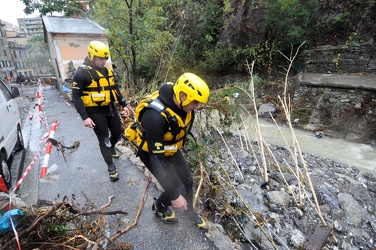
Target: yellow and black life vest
{"x":102,"y":89}
{"x":177,"y":131}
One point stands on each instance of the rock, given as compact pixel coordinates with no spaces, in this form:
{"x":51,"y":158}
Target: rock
{"x":318,"y":238}
{"x":279,"y":197}
{"x":218,"y":236}
{"x":297,"y":239}
{"x":327,"y":197}
{"x":373,"y":225}
{"x":353,"y":210}
{"x":337,"y":226}
{"x":266,"y":109}
{"x":254,"y":201}
{"x":337,"y":214}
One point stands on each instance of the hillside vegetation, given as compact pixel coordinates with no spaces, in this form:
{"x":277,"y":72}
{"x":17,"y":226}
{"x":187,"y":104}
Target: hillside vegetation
{"x":154,"y":41}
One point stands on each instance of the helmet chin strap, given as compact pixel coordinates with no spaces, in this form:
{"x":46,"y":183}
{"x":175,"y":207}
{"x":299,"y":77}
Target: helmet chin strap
{"x":181,"y":102}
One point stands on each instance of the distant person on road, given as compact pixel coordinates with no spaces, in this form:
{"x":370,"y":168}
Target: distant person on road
{"x":165,"y":122}
{"x":66,"y":88}
{"x":94,"y":94}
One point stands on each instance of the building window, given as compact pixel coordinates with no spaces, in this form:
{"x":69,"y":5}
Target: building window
{"x":8,"y":64}
{"x":1,"y":64}
{"x":5,"y":53}
{"x":15,"y":53}
{"x":18,"y":65}
{"x":20,"y":52}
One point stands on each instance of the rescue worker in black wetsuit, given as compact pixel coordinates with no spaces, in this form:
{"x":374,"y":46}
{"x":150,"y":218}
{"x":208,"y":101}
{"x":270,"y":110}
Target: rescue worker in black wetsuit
{"x":160,"y":148}
{"x":94,"y":92}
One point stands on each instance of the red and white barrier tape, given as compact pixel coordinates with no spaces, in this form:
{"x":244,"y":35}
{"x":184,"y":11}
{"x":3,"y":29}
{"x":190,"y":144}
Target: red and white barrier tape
{"x":27,"y":170}
{"x":43,"y":173}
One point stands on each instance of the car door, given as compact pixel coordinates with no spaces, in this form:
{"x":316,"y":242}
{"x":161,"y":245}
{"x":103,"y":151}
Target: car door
{"x":9,"y":119}
{"x":2,"y":117}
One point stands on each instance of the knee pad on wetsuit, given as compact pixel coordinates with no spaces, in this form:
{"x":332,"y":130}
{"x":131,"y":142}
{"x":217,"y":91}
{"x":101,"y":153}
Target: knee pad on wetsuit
{"x":106,"y":142}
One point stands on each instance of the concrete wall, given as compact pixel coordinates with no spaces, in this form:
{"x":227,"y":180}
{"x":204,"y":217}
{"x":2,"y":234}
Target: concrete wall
{"x":68,"y":49}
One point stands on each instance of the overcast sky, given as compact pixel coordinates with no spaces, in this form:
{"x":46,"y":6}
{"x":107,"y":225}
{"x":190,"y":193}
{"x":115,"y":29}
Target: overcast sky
{"x":10,"y":10}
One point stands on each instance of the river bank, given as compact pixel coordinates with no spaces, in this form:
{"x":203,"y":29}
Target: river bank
{"x":331,"y":205}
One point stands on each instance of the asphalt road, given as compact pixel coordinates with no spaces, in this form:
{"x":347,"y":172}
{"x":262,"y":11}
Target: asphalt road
{"x":26,"y":103}
{"x":81,"y":175}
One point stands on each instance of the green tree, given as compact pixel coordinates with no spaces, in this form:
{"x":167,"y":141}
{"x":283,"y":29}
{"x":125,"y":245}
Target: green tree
{"x":44,"y":7}
{"x":140,"y":39}
{"x":287,"y":21}
{"x":39,"y":52}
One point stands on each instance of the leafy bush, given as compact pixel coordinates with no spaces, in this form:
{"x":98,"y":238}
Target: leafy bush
{"x":288,"y":20}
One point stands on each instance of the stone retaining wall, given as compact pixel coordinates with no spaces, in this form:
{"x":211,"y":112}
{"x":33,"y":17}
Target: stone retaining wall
{"x":349,"y":113}
{"x":340,"y":59}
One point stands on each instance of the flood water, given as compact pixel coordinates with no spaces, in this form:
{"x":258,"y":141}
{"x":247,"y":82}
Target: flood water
{"x":361,"y":156}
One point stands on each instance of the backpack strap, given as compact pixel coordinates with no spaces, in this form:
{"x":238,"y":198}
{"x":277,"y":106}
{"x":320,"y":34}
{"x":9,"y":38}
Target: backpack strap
{"x":157,"y":105}
{"x":189,"y":132}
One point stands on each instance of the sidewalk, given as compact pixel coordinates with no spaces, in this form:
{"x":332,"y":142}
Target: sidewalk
{"x":84,"y":177}
{"x":339,"y":80}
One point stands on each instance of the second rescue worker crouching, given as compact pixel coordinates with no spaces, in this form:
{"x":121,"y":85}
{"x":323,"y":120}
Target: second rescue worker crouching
{"x":94,"y":93}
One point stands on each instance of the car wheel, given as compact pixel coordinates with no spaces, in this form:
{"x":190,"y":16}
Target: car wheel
{"x":5,"y":171}
{"x":20,"y":142}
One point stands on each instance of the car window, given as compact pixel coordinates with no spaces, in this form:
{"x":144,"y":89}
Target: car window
{"x":5,"y":91}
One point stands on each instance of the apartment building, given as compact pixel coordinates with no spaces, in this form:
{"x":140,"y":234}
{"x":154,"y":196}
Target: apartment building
{"x":17,"y":61}
{"x":7,"y":66}
{"x":30,"y":26}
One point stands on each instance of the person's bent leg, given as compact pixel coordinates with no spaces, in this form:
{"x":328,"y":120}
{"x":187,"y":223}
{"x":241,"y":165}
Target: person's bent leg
{"x":161,"y":205}
{"x":182,"y":170}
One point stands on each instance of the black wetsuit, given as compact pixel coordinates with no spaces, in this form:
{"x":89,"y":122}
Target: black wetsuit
{"x":106,"y":118}
{"x":172,"y":172}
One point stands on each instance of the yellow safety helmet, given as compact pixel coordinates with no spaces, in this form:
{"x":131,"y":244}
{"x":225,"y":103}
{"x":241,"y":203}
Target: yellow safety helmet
{"x":97,"y":48}
{"x":193,"y":86}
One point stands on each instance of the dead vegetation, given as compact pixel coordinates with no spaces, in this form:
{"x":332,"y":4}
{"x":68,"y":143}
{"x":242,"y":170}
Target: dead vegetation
{"x":67,"y":225}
